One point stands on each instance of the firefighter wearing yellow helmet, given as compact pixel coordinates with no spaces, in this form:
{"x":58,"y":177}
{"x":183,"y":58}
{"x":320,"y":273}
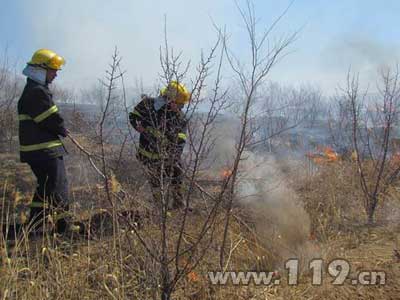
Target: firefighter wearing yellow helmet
{"x":162,"y":127}
{"x":40,"y":130}
{"x":47,"y":59}
{"x":177,"y":92}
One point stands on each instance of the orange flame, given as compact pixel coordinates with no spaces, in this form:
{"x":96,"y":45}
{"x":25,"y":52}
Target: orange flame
{"x":226,"y":173}
{"x":325,"y":155}
{"x":193,"y":277}
{"x":330,"y":154}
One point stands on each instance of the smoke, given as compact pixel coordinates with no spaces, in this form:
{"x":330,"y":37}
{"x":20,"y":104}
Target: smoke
{"x":222,"y":152}
{"x":362,"y":54}
{"x":282,"y":225}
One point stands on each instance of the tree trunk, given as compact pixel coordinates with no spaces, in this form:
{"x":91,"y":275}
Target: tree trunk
{"x":371,"y":209}
{"x":165,"y":281}
{"x":370,"y":218}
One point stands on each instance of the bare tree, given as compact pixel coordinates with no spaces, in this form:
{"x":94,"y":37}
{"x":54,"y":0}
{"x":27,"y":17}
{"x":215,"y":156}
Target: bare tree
{"x":373,"y":125}
{"x":263,"y":56}
{"x":186,"y":257}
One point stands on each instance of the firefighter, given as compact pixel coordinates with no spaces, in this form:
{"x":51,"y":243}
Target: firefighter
{"x":162,"y":127}
{"x":40,"y":129}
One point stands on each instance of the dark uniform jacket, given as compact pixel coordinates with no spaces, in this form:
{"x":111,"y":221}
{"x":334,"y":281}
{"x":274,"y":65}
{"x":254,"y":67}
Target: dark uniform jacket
{"x":164,"y":136}
{"x":40,"y":124}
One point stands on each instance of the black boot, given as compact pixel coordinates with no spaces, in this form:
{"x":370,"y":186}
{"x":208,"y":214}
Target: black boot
{"x":61,"y":226}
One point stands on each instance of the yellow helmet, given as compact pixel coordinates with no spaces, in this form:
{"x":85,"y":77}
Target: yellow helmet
{"x":177,"y":92}
{"x":47,"y":58}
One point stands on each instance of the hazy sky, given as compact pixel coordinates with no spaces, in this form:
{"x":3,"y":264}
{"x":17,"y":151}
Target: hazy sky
{"x":334,"y":35}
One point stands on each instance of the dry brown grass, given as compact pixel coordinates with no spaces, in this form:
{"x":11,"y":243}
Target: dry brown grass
{"x":115,"y":266}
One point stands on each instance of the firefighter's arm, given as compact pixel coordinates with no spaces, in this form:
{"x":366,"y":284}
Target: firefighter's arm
{"x":136,"y":117}
{"x":45,"y":113}
{"x":182,"y":136}
{"x":182,"y":139}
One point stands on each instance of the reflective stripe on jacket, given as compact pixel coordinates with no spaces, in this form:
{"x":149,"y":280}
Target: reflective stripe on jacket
{"x":40,"y":124}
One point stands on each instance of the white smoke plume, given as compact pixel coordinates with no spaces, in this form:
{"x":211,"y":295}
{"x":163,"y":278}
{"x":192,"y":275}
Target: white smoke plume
{"x":281,"y":222}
